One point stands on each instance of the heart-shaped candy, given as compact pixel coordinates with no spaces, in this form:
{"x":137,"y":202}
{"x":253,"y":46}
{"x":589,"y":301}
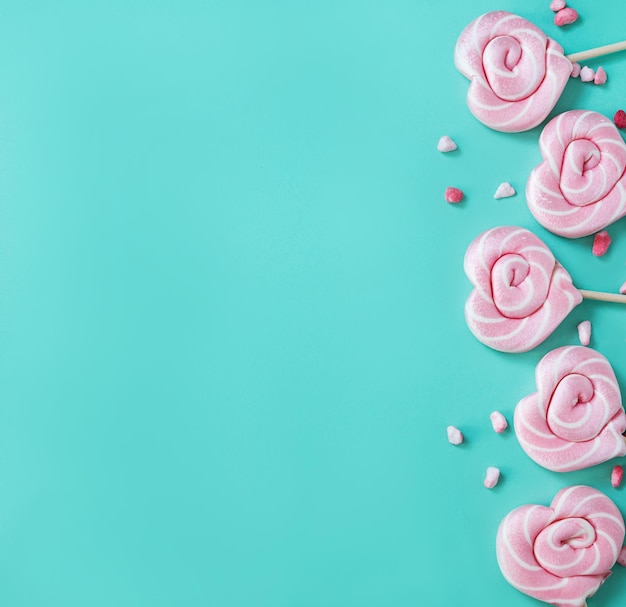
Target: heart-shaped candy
{"x":580,"y":187}
{"x":517,"y":73}
{"x":576,"y":418}
{"x":522,"y":293}
{"x":561,"y":554}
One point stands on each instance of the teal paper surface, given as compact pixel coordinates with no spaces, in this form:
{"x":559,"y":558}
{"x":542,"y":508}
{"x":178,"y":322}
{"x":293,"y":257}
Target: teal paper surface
{"x":231,"y":305}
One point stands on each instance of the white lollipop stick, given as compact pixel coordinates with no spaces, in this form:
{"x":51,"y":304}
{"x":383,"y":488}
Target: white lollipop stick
{"x":599,"y":296}
{"x":599,"y":51}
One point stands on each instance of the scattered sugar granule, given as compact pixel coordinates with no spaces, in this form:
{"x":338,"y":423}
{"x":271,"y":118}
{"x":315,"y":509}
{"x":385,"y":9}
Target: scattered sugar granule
{"x":557,"y":5}
{"x":617,"y":474}
{"x":565,"y":16}
{"x":601,"y":243}
{"x":498,"y":421}
{"x":492,"y":477}
{"x":600,"y":77}
{"x":584,"y":332}
{"x":622,"y":289}
{"x":575,"y":70}
{"x":455,"y":436}
{"x":620,"y":119}
{"x":446,"y":144}
{"x":453,"y":195}
{"x":505,"y":190}
{"x":587,"y":74}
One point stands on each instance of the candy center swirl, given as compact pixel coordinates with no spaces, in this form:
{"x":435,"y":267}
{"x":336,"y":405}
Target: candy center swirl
{"x":573,"y":412}
{"x":519,"y":287}
{"x":586,"y":177}
{"x":513,"y":68}
{"x":567,"y":547}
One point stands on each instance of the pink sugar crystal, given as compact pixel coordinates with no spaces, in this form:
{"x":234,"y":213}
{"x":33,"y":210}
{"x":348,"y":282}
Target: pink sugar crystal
{"x":600,"y":77}
{"x":565,"y":16}
{"x":601,"y":243}
{"x":617,"y":475}
{"x":492,"y":477}
{"x":557,"y":5}
{"x":453,"y":195}
{"x":498,"y":421}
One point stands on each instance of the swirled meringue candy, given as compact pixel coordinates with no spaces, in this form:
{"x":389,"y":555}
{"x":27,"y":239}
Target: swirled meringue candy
{"x":517,"y":73}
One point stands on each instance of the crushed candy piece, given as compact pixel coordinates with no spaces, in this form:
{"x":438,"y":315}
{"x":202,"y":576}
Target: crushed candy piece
{"x":621,"y":559}
{"x":600,"y":77}
{"x":620,"y":119}
{"x":584,"y":332}
{"x":617,"y":474}
{"x":498,"y":421}
{"x":587,"y":74}
{"x":622,"y":289}
{"x":455,"y":436}
{"x":565,"y":16}
{"x":575,"y":70}
{"x":454,"y":195}
{"x":492,"y":477}
{"x":505,"y":190}
{"x":557,"y":5}
{"x":446,"y":144}
{"x":601,"y":243}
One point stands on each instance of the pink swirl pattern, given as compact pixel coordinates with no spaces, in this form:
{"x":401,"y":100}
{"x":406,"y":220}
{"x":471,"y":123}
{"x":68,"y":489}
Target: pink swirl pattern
{"x":564,"y":553}
{"x":517,"y":73}
{"x":521,"y":292}
{"x":575,"y":419}
{"x":580,"y":187}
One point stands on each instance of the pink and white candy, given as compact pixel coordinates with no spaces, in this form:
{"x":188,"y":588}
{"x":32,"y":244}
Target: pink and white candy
{"x":575,"y":419}
{"x":492,"y":477}
{"x":498,"y":422}
{"x":584,"y":332}
{"x":517,"y":73}
{"x":580,"y":187}
{"x":564,"y":553}
{"x":521,"y":292}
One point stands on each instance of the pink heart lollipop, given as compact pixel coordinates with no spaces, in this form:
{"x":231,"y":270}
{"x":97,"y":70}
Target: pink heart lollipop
{"x":517,"y":73}
{"x":564,"y":553}
{"x":576,"y":418}
{"x":580,"y":187}
{"x":522,"y":293}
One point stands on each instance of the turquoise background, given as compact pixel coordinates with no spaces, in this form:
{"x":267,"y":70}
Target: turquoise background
{"x":231,"y":304}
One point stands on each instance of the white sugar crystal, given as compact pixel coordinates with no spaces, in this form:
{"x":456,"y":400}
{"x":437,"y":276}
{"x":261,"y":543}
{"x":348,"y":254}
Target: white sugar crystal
{"x":584,"y":332}
{"x":454,"y":435}
{"x":505,"y":190}
{"x":446,"y":144}
{"x":587,"y":74}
